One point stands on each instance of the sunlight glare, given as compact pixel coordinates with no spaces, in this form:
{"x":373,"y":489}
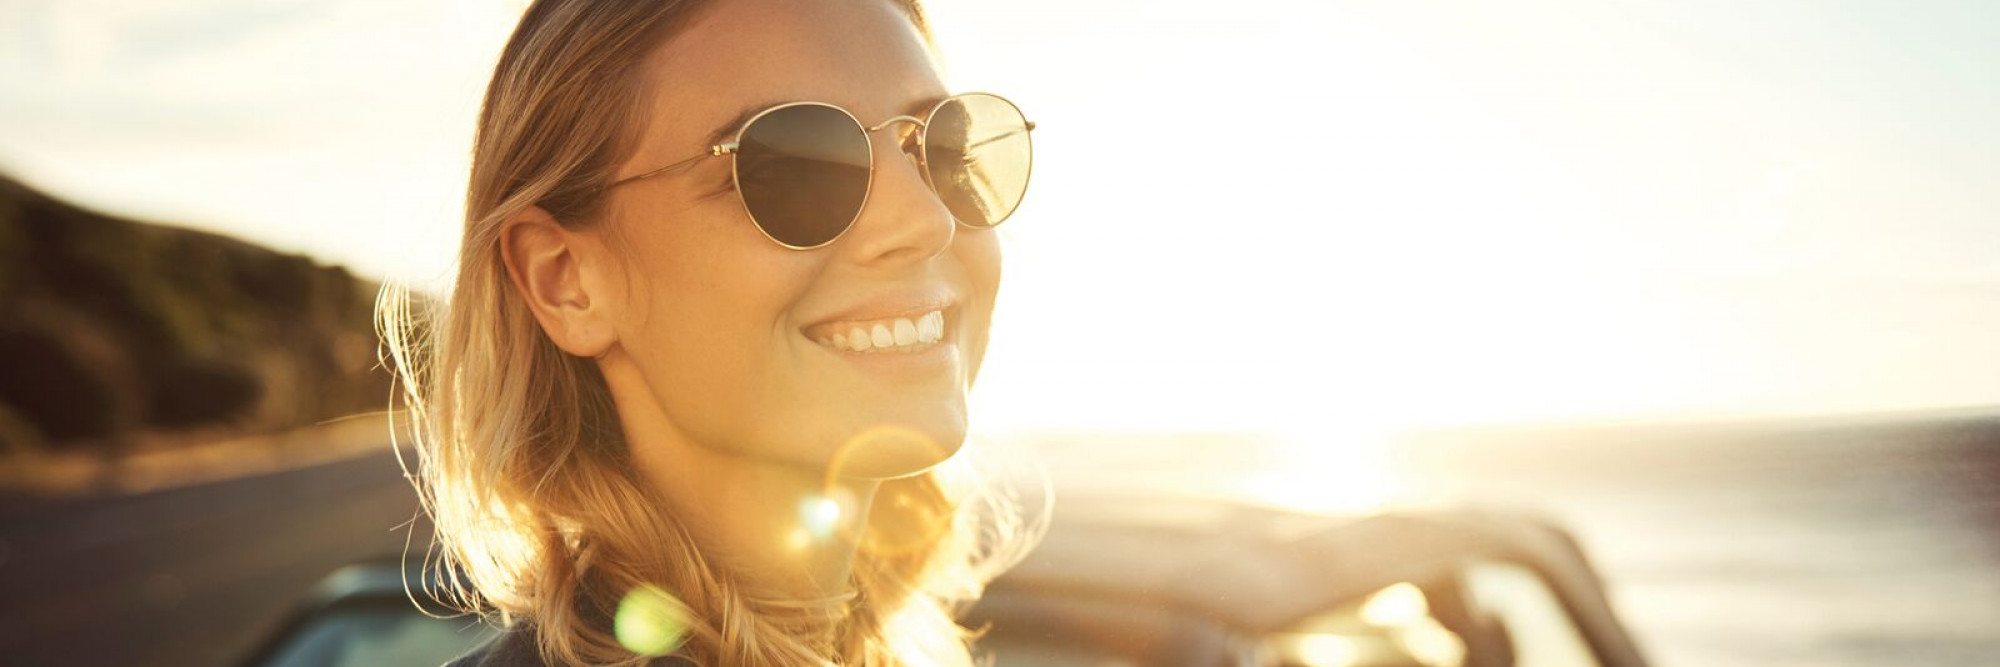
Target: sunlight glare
{"x":819,"y":515}
{"x":1329,"y":473}
{"x":1399,"y":604}
{"x":1327,"y":651}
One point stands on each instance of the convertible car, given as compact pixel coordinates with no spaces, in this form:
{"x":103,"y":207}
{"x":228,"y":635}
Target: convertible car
{"x":1131,"y":581}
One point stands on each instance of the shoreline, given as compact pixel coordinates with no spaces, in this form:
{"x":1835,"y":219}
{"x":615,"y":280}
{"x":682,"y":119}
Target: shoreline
{"x":158,"y":462}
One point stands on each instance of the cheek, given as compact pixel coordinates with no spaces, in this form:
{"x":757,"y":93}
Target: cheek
{"x":982,"y":257}
{"x":980,"y":254}
{"x":708,"y":322}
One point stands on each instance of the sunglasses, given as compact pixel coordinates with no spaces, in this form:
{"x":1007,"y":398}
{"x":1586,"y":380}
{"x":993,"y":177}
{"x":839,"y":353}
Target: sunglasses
{"x":803,"y":169}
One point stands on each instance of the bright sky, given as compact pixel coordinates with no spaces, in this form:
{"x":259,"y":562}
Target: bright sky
{"x":1291,"y":216}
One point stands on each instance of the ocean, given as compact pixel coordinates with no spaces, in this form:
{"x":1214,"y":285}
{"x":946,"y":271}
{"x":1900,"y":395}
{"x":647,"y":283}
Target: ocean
{"x":1862,"y":542}
{"x":1867,"y":541}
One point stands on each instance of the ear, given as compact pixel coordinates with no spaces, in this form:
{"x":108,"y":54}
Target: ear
{"x":554,"y":269}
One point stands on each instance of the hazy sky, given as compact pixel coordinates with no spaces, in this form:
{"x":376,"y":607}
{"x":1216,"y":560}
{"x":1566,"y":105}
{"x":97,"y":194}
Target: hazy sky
{"x":1301,"y":217}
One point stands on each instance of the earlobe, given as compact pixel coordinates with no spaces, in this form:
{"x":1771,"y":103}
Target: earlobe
{"x":546,"y":264}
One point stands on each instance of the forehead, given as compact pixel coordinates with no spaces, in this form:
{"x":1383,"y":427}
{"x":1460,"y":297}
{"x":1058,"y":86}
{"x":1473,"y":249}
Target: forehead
{"x":742,"y":55}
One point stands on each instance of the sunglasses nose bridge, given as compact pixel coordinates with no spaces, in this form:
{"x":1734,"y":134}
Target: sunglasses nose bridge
{"x":901,"y":144}
{"x":913,"y":120}
{"x":908,"y":232}
{"x":901,"y":140}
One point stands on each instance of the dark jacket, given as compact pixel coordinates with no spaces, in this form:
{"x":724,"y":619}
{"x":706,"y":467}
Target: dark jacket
{"x":516,"y":648}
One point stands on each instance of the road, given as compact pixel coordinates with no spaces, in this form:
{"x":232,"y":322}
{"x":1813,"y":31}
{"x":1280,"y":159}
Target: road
{"x":191,"y":576}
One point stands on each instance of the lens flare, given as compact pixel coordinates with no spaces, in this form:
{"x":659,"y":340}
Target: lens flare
{"x":909,"y":515}
{"x":826,"y":511}
{"x":906,"y":514}
{"x":651,"y":621}
{"x":883,"y":450}
{"x":820,"y":515}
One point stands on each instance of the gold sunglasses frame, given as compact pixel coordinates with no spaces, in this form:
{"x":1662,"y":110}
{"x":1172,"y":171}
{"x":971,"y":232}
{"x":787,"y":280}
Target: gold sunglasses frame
{"x":730,"y":147}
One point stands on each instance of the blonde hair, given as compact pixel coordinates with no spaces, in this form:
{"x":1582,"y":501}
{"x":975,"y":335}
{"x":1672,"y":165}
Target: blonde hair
{"x":522,"y":464}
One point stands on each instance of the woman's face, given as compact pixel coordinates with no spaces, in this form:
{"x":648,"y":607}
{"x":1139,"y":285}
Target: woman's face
{"x":721,"y":322}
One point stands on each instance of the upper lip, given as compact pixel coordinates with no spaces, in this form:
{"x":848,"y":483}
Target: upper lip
{"x":888,"y":305}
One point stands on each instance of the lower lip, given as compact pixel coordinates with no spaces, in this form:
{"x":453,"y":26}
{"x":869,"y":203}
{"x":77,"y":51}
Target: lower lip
{"x":935,"y":358}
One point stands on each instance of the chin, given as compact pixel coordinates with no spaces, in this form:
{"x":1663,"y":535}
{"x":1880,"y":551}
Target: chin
{"x":895,"y":448}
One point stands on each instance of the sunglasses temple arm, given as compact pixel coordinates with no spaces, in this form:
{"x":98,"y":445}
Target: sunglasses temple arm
{"x":1003,"y":135}
{"x":670,"y":167}
{"x":717,"y":150}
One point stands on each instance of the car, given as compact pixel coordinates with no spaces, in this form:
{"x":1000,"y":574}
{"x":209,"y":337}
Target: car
{"x":1128,"y":580}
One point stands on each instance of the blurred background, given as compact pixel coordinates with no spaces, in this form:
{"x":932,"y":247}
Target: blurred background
{"x":1713,"y":284}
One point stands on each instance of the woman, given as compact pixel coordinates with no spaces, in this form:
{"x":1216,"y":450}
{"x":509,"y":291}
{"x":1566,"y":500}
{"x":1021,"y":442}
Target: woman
{"x":727,"y":274}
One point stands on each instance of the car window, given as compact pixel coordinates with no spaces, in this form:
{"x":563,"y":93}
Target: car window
{"x":1044,"y":629}
{"x":1490,"y":614}
{"x":1028,"y":652}
{"x":1393,"y":625}
{"x":369,"y":637}
{"x":1542,"y":633}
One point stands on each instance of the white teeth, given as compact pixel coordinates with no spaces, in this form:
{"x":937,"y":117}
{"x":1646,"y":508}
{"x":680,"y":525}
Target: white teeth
{"x":930,"y":327}
{"x":897,"y":333}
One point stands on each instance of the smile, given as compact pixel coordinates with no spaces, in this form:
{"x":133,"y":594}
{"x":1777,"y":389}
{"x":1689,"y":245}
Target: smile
{"x":900,"y":334}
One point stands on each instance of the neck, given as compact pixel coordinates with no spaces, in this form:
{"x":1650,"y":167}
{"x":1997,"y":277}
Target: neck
{"x":764,"y":518}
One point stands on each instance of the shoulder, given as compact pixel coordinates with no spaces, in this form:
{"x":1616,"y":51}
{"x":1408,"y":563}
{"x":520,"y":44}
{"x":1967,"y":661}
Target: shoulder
{"x":515,"y":647}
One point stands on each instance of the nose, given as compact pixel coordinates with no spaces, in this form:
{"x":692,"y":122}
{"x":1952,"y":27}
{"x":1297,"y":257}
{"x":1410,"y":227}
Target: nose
{"x":903,"y":220}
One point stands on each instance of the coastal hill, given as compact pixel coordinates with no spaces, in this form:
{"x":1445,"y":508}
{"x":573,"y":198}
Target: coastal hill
{"x":117,"y":333}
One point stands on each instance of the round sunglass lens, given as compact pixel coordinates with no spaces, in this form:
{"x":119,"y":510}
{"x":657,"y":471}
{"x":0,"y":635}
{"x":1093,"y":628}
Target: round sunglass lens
{"x":803,"y":172}
{"x":978,"y":153}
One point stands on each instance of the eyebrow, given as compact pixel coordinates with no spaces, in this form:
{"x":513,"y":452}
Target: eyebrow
{"x":728,"y":130}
